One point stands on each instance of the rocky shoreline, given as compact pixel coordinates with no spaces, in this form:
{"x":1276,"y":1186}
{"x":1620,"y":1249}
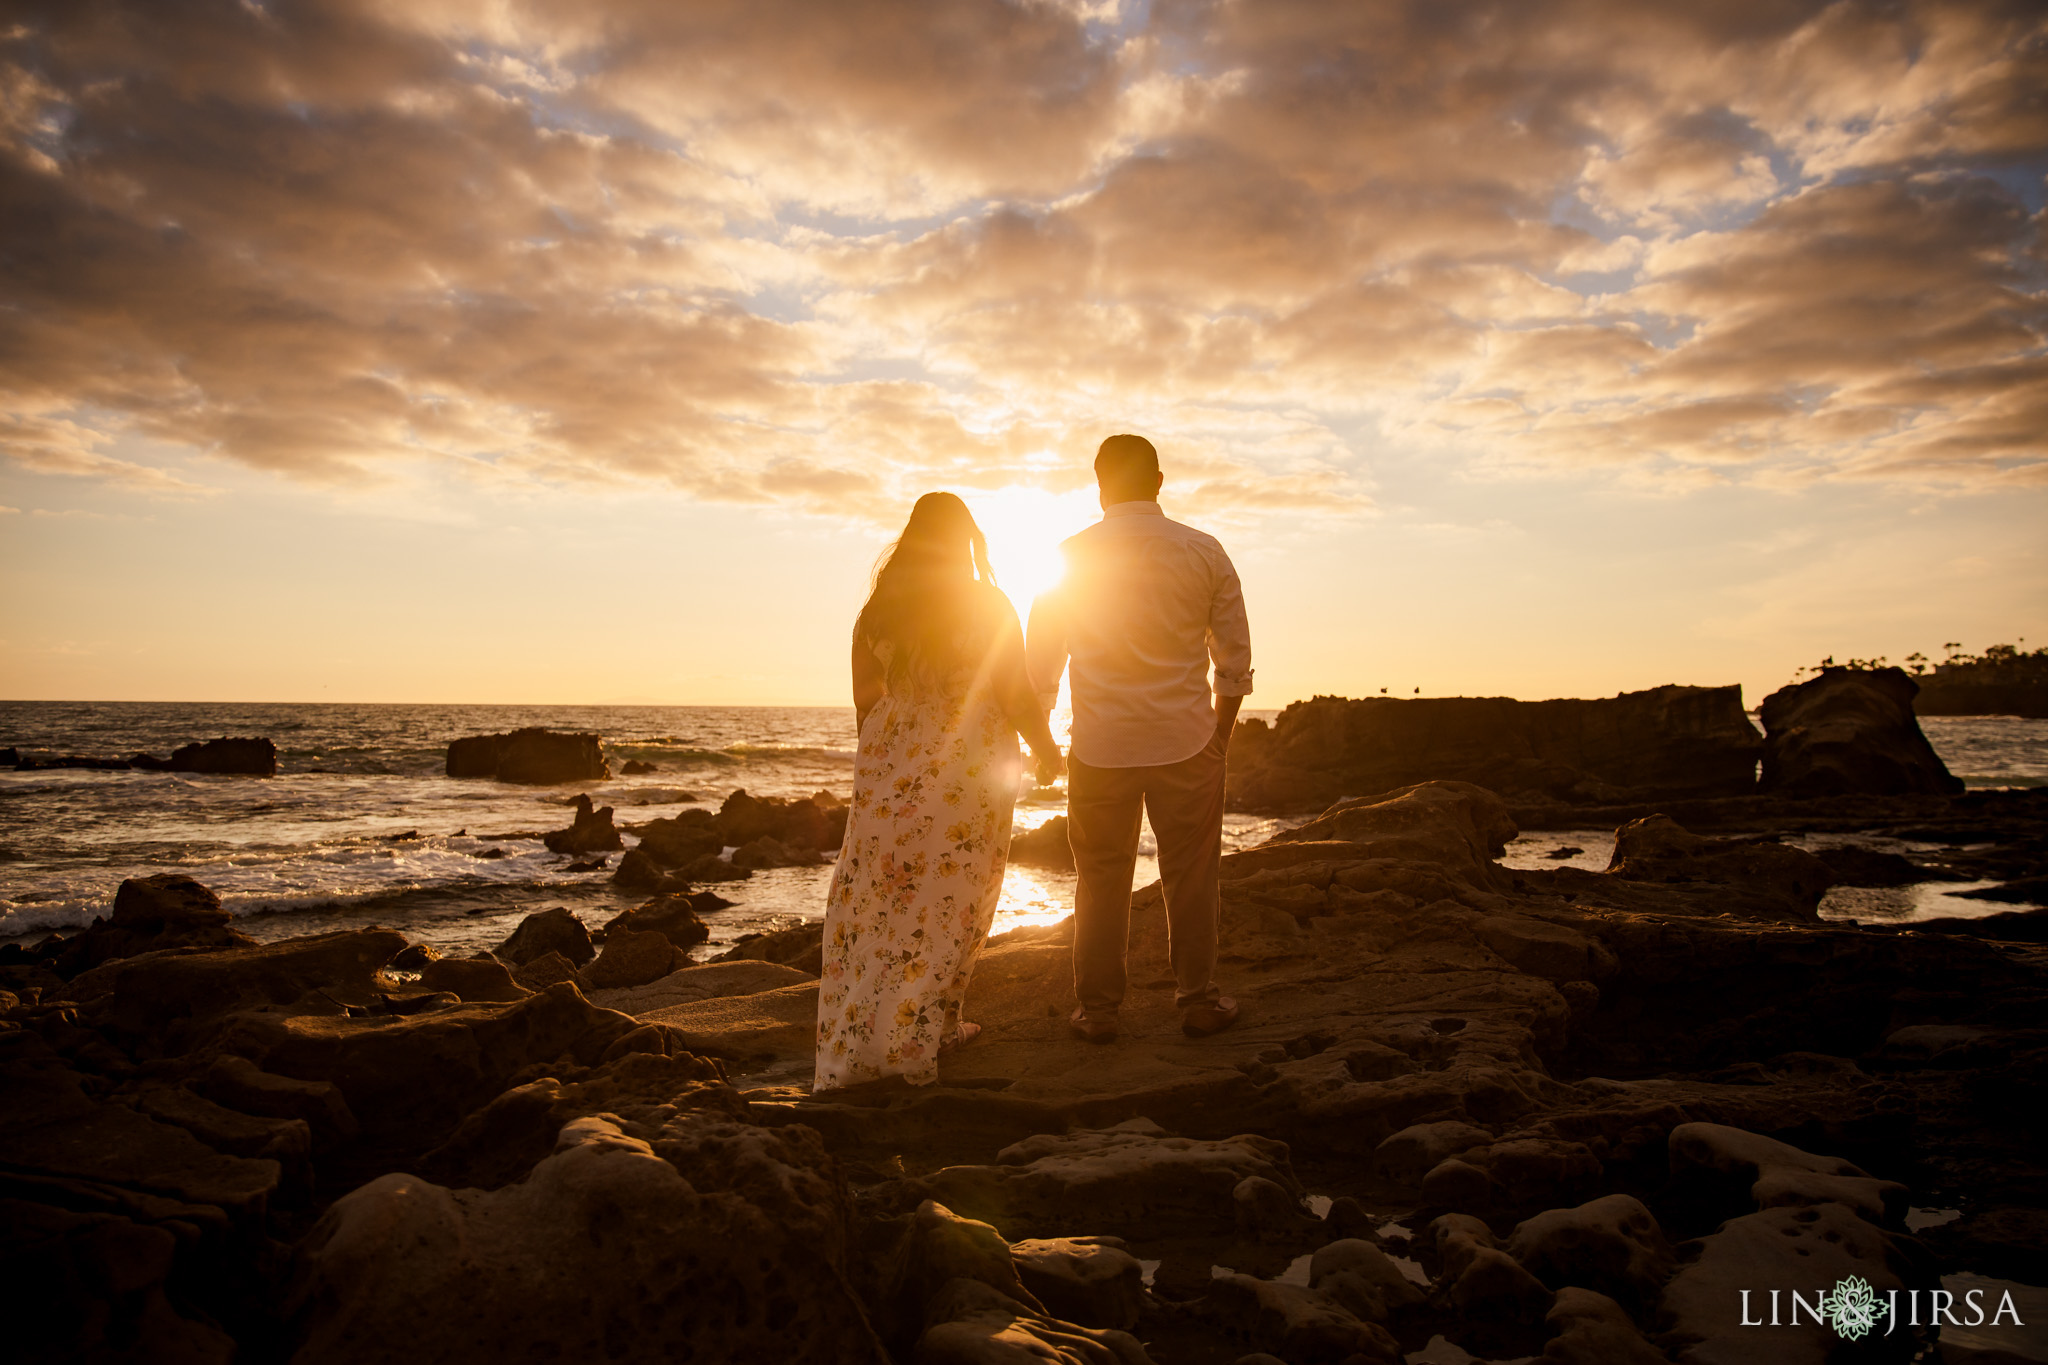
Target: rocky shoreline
{"x":1532,"y":1112}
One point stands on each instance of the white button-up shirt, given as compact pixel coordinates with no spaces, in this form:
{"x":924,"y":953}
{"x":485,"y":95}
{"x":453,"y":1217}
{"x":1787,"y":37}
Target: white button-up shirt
{"x":1146,"y":606}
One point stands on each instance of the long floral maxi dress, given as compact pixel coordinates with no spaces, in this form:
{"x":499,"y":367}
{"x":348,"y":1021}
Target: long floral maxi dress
{"x":916,"y":887}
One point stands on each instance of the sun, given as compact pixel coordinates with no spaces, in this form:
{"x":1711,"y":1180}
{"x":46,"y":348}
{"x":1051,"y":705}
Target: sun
{"x":1025,"y":527}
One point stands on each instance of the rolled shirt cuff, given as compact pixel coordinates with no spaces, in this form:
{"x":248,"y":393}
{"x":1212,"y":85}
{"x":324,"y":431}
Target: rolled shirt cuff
{"x":1047,"y":700}
{"x":1232,"y":684}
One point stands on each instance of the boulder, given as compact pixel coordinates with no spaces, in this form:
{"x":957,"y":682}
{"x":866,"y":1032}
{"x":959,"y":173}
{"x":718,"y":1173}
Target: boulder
{"x":1612,"y":1245}
{"x":804,"y":823}
{"x":1363,"y":1280}
{"x":287,"y":1141}
{"x":1092,"y":1281}
{"x":674,"y":917}
{"x":1763,"y":879}
{"x":472,"y":979}
{"x":52,"y":1130}
{"x":169,"y":910}
{"x":164,"y":1001}
{"x":1267,"y":1211}
{"x":547,"y":931}
{"x":1807,"y":1251}
{"x":544,"y":971}
{"x":680,"y":839}
{"x":781,"y":1023}
{"x":632,"y":958}
{"x":1403,"y":1158}
{"x":1543,"y":949}
{"x":802,"y":948}
{"x":974,"y":1324}
{"x":1299,"y":1325}
{"x":1723,"y":1171}
{"x":248,"y":757}
{"x":1666,"y":742}
{"x":709,"y":981}
{"x":534,"y":756}
{"x":766,"y":852}
{"x":706,"y":1263}
{"x":1853,"y":865}
{"x":1592,"y":1329}
{"x":414,"y":956}
{"x":1532,"y":1172}
{"x":90,"y":1285}
{"x":933,"y":1247}
{"x":1849,"y":731}
{"x":1045,"y":846}
{"x":638,"y":768}
{"x":1495,"y":1301}
{"x":241,"y":1085}
{"x":590,"y":831}
{"x":409,"y":1080}
{"x":1126,"y":1180}
{"x":504,"y":1140}
{"x":712,"y":868}
{"x":638,"y":871}
{"x":1451,"y":823}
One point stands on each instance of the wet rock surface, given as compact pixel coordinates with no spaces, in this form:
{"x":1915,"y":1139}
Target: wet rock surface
{"x":1539,"y":1114}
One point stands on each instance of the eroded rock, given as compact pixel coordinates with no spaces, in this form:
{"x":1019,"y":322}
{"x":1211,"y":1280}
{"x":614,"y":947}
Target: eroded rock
{"x":1849,"y":731}
{"x":402,"y":1269}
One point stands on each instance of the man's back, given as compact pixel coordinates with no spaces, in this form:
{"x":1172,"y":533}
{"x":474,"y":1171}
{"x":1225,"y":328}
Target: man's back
{"x":1146,"y":605}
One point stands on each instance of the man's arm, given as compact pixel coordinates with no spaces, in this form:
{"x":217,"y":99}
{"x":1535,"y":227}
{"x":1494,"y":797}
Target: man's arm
{"x":1045,"y":648}
{"x":1230,"y":651}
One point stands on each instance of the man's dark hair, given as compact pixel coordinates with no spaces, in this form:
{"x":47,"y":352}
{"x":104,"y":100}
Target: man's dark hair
{"x":1127,"y":462}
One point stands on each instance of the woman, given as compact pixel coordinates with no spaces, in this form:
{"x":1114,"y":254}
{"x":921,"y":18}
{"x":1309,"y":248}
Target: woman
{"x":941,"y":695}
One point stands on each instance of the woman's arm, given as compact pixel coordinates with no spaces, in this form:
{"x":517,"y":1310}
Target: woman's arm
{"x":1020,"y":702}
{"x":870,"y":682}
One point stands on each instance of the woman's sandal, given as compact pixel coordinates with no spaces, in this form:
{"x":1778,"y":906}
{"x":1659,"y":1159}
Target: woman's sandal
{"x":966,"y":1036}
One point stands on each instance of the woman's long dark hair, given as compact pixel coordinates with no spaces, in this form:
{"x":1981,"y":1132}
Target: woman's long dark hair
{"x":931,"y":591}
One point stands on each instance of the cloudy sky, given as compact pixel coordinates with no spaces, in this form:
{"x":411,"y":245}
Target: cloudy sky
{"x":501,"y":350}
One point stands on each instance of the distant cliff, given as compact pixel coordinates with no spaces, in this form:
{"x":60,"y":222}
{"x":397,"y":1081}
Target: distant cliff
{"x":1667,"y":742}
{"x":2000,"y":682}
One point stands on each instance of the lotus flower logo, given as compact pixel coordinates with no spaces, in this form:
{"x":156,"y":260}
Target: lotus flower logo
{"x":1852,"y":1308}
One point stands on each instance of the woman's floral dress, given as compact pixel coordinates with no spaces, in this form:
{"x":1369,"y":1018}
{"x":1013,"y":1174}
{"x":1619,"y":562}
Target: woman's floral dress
{"x":918,"y":878}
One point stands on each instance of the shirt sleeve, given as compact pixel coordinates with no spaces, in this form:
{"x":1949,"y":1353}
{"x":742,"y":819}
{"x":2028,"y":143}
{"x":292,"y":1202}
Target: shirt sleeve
{"x":1230,"y":634}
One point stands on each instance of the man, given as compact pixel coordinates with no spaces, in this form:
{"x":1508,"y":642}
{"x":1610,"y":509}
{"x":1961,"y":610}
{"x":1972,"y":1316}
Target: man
{"x":1146,"y":606}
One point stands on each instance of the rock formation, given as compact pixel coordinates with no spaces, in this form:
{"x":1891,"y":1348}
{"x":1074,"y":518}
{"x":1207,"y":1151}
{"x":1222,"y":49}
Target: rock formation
{"x":254,"y":757}
{"x":531,"y":755}
{"x":169,"y":910}
{"x":590,"y":831}
{"x":1663,"y":743}
{"x":1849,"y":731}
{"x":547,"y":931}
{"x":1555,"y":1113}
{"x":1045,"y":846}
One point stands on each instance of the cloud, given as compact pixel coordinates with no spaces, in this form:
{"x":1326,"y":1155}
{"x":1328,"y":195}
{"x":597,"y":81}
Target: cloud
{"x":828,"y":256}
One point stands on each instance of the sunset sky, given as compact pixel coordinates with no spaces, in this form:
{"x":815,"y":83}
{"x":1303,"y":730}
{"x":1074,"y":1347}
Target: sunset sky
{"x":484,"y":350}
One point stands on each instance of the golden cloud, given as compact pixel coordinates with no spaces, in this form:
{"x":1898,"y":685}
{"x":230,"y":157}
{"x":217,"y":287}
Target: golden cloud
{"x":824,"y":255}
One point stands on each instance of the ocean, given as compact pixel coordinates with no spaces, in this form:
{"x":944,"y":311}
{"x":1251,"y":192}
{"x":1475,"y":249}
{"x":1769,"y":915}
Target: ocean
{"x":322,"y":845}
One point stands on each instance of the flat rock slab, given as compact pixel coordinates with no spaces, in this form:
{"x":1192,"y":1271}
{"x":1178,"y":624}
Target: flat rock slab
{"x":779,"y":1024}
{"x":708,"y":982}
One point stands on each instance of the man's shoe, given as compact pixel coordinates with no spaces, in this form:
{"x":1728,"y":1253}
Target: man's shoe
{"x":1199,"y":1021}
{"x":1097,"y":1030}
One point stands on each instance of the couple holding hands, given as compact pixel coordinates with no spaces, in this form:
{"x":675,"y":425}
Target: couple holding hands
{"x":944,"y":681}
